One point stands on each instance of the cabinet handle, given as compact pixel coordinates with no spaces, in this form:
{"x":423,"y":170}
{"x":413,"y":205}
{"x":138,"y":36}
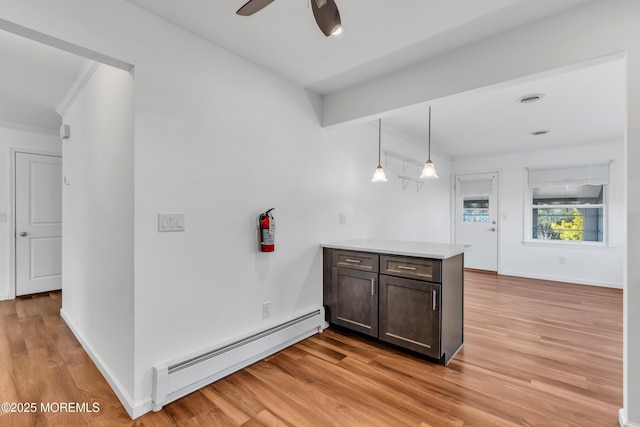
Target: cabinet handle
{"x":373,"y":286}
{"x":357,"y":261}
{"x":434,"y":299}
{"x":402,"y":267}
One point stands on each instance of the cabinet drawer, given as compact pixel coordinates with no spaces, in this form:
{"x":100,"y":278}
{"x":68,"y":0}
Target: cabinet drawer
{"x":356,"y":260}
{"x":412,"y":268}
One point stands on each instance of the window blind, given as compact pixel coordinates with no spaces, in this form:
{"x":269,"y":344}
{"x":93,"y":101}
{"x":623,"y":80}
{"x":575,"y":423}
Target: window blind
{"x":476,"y":187}
{"x":597,"y":174}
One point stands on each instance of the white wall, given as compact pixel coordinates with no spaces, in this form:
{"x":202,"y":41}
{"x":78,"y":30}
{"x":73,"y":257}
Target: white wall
{"x":19,"y":140}
{"x":97,"y":215}
{"x":591,"y":265}
{"x":400,"y":210}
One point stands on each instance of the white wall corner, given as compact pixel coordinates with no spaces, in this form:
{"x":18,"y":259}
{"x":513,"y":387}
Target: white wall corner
{"x":141,"y":408}
{"x":82,"y":78}
{"x":623,"y":421}
{"x":127,"y":402}
{"x":4,"y":297}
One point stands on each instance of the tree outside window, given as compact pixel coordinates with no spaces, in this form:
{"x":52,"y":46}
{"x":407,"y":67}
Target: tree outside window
{"x":568,"y":204}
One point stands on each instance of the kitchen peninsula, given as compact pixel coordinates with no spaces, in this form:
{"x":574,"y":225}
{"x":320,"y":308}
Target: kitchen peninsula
{"x":408,"y":294}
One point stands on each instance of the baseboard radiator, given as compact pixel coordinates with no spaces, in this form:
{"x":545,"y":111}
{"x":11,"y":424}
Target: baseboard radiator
{"x":178,"y":378}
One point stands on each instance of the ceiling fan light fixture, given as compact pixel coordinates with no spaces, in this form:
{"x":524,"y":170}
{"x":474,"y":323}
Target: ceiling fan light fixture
{"x":325,"y":13}
{"x":327,"y":16}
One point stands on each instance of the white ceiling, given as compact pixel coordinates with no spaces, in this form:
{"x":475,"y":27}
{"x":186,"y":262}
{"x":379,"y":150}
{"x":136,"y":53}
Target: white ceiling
{"x":379,"y":36}
{"x":578,"y":107}
{"x":33,"y":80}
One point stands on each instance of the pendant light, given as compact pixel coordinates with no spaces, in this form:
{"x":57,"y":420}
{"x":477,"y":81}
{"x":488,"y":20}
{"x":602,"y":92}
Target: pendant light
{"x":429,"y":171}
{"x":378,"y":175}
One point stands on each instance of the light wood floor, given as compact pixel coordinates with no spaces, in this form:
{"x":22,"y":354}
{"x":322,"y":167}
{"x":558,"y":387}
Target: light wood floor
{"x":536,"y":354}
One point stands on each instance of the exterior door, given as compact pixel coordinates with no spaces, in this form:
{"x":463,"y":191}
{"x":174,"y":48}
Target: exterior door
{"x":476,"y":220}
{"x":38,"y":204}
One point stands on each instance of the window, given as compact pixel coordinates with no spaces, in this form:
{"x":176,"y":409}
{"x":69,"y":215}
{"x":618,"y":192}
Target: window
{"x":568,"y":204}
{"x":475,"y":199}
{"x":475,"y":209}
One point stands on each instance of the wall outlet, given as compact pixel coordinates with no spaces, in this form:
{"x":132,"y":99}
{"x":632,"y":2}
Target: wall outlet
{"x":342,"y":218}
{"x":563,"y":260}
{"x":266,"y":309}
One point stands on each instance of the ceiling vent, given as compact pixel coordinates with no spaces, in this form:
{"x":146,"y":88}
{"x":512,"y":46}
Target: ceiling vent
{"x":528,"y":99}
{"x":540,"y":132}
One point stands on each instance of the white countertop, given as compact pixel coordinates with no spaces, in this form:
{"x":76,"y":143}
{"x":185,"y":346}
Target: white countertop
{"x":399,"y":247}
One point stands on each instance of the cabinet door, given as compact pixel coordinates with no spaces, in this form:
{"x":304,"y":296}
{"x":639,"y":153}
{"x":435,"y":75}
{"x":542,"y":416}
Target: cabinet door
{"x":410,"y":314}
{"x":355,"y":300}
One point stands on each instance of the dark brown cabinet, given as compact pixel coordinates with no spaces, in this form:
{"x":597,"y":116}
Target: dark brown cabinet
{"x":410,"y":302}
{"x":354,"y":291}
{"x":410,"y":314}
{"x":355,"y":300}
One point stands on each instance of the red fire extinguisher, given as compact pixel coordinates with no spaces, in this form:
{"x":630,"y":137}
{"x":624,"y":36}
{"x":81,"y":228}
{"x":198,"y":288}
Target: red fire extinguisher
{"x":267,"y":225}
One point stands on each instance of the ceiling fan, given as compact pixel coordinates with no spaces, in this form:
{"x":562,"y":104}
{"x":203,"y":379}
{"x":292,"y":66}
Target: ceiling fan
{"x":325,"y":12}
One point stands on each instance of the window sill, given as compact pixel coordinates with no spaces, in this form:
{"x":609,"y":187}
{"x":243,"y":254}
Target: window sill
{"x":568,"y":244}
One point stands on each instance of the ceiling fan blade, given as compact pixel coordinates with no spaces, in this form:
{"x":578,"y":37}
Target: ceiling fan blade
{"x":327,"y":16}
{"x":253,"y":6}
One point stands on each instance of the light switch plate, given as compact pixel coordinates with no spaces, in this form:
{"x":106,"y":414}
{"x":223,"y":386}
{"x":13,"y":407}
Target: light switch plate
{"x":342,"y":218}
{"x":170,"y":222}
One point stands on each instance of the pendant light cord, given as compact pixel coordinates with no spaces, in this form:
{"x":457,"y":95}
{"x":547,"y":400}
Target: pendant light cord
{"x":379,"y":141}
{"x":429,"y":154}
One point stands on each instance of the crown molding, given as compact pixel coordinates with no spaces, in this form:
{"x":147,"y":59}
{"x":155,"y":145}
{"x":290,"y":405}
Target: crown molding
{"x":29,"y":128}
{"x":82,"y":78}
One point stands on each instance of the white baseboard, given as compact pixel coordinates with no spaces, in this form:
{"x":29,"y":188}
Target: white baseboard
{"x":119,"y":390}
{"x":141,"y":408}
{"x":622,"y":420}
{"x":562,"y":279}
{"x":4,"y":297}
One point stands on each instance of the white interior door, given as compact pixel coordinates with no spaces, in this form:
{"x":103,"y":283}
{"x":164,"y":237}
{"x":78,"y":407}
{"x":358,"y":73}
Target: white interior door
{"x":38,"y":196}
{"x":476,"y":220}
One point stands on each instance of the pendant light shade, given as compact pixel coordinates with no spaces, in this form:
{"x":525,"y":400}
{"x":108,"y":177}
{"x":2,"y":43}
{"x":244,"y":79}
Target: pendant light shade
{"x":429,"y":171}
{"x":378,"y":175}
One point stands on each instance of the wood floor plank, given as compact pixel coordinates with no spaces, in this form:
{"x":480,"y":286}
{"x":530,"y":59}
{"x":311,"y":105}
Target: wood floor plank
{"x":536,"y":353}
{"x":235,"y":415}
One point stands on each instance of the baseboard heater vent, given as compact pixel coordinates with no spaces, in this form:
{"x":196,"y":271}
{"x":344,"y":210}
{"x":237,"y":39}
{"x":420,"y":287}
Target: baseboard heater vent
{"x":178,"y":378}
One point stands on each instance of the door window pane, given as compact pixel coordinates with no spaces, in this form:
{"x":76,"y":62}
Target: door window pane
{"x":475,"y":210}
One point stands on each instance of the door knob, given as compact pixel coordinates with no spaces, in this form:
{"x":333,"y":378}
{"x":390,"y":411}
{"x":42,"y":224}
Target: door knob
{"x":24,"y":233}
{"x":492,"y":229}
